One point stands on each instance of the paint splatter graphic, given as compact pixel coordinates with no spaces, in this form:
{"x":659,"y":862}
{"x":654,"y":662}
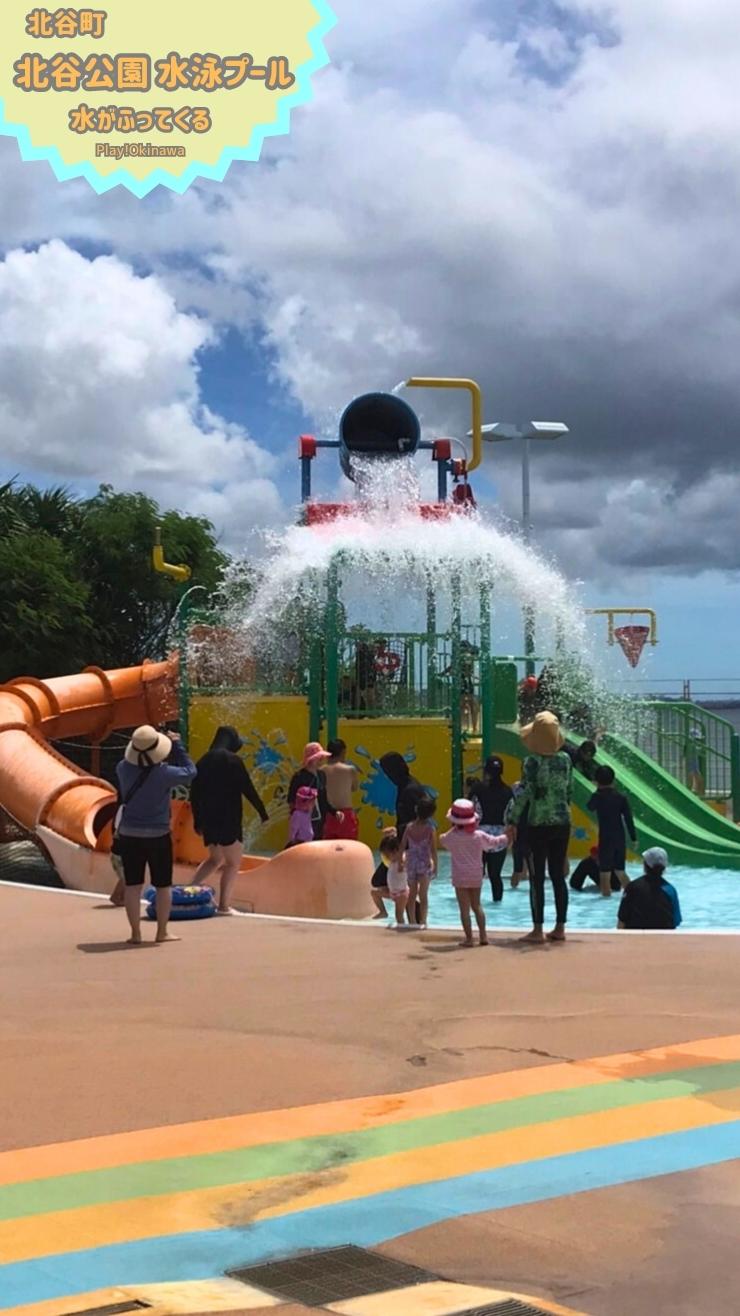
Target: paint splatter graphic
{"x":379,"y":792}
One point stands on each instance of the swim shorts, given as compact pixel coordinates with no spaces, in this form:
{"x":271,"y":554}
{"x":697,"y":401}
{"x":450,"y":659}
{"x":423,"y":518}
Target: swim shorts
{"x":612,"y":856}
{"x":346,"y":830}
{"x":141,"y":852}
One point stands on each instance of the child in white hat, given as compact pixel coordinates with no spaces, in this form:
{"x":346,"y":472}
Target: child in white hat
{"x":466,"y":845}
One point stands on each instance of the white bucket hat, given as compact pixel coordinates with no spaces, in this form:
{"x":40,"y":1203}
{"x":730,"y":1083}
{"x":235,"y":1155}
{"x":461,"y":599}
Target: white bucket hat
{"x":147,"y":747}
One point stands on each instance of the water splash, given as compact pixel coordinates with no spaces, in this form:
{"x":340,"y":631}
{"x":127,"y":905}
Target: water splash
{"x":387,"y":557}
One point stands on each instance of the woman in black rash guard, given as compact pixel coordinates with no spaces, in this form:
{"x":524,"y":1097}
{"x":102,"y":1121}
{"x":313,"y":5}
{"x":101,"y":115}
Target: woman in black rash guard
{"x":408,"y":789}
{"x":216,"y":798}
{"x":492,"y":796}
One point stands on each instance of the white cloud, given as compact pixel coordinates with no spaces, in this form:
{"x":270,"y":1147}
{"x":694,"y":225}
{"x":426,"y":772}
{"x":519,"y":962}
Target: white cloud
{"x":569,"y":240}
{"x":99,"y":382}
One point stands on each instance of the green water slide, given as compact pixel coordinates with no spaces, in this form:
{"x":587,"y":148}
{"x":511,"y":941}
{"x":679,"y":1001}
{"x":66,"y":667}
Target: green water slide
{"x":666,"y":813}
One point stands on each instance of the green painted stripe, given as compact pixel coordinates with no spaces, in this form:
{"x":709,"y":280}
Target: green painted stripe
{"x":326,"y":1152}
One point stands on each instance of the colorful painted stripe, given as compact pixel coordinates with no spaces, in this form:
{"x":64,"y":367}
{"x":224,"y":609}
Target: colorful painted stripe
{"x":358,"y":1171}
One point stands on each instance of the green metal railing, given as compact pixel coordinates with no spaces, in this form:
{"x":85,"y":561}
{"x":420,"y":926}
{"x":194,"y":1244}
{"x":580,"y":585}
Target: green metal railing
{"x":397,"y":675}
{"x":695,"y":746}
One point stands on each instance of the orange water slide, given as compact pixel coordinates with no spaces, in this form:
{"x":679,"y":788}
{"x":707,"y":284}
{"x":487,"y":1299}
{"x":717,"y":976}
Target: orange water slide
{"x":38,"y":786}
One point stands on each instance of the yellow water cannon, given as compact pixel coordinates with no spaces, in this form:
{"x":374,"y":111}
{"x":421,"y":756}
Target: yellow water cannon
{"x":181,"y":573}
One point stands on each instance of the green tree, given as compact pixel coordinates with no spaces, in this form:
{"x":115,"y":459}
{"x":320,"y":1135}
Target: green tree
{"x":131,"y":606}
{"x":77,"y":585}
{"x":45,"y":627}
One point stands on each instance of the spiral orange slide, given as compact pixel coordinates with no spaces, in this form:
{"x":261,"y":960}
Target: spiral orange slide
{"x":71,"y":812}
{"x":40,"y":788}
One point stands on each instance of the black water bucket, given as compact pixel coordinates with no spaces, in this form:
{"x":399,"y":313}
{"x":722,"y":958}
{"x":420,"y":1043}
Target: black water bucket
{"x":378,"y":426}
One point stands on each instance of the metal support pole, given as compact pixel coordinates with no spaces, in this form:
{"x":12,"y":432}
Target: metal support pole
{"x":442,"y":481}
{"x":332,"y":650}
{"x":529,"y":619}
{"x":735,"y":776}
{"x":184,"y":690}
{"x":456,"y":691}
{"x":488,"y":712}
{"x":305,"y":479}
{"x":431,"y":646}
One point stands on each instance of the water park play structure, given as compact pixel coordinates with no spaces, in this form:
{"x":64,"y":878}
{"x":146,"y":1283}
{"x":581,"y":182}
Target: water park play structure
{"x":292,"y":667}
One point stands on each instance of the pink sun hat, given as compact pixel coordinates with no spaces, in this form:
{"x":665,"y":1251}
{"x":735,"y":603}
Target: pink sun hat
{"x":313,"y":754}
{"x":462,"y":814}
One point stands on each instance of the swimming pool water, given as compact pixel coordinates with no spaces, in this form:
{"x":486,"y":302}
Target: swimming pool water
{"x":710,"y":898}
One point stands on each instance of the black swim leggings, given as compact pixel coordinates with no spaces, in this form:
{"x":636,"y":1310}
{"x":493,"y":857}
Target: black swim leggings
{"x":493,"y":865}
{"x":549,"y":851}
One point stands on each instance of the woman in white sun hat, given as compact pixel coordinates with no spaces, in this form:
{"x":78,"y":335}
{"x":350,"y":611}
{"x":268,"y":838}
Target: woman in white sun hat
{"x":153,"y":764}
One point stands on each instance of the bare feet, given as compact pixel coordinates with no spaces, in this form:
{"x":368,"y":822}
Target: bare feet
{"x":483,"y":941}
{"x":134,"y":941}
{"x":534,"y":939}
{"x":556,"y":935}
{"x":159,"y":941}
{"x":225,"y":911}
{"x":466,"y":945}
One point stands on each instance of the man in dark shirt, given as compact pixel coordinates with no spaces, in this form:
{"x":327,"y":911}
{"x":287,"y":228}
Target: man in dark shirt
{"x":614,"y":814}
{"x":650,"y":903}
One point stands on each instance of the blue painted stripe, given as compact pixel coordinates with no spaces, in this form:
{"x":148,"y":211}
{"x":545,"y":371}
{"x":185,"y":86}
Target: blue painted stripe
{"x":365,"y":1221}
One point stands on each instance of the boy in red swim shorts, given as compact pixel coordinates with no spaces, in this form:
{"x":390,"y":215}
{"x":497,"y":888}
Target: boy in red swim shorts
{"x":342,"y":780}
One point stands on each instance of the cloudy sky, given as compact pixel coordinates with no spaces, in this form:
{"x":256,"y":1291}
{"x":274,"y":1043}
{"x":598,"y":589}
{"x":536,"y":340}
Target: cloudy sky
{"x":543,"y":196}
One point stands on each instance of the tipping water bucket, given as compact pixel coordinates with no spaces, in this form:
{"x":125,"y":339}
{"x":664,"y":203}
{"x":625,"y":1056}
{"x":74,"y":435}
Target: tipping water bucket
{"x":632,"y":641}
{"x":377,"y":425}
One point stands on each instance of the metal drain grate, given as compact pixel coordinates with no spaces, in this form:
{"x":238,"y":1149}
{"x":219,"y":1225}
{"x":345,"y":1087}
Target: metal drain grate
{"x":510,"y":1307}
{"x":112,"y":1309}
{"x":318,"y":1278}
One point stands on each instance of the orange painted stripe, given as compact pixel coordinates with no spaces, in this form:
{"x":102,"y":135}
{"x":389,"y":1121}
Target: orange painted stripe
{"x":242,"y":1205}
{"x":337,"y":1117}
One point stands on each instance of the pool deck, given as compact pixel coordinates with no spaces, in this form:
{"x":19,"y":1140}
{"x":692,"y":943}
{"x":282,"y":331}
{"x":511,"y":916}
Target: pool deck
{"x":562,"y":1123}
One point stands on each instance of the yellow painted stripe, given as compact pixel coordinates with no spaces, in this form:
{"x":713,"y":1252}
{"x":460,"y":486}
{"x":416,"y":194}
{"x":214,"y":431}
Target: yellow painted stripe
{"x":241,"y":1205}
{"x":66,"y":1306}
{"x":338,"y":1117}
{"x":212,"y":1295}
{"x":440,"y":1298}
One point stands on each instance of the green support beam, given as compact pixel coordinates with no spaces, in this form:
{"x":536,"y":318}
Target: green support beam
{"x":332,"y":649}
{"x":456,"y":693}
{"x":487,"y":701}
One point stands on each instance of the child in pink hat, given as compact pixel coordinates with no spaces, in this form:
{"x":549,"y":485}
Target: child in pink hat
{"x":300,"y":828}
{"x":308,"y":775}
{"x":466,"y":845}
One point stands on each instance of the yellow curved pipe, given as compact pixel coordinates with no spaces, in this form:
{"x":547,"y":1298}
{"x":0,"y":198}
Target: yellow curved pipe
{"x":611,"y":613}
{"x":182,"y":573}
{"x":476,"y":399}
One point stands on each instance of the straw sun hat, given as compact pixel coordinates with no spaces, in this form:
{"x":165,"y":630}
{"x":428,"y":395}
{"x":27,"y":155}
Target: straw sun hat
{"x":543,"y":736}
{"x":147,"y":747}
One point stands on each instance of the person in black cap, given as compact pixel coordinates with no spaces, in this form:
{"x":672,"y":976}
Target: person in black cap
{"x":216,"y":799}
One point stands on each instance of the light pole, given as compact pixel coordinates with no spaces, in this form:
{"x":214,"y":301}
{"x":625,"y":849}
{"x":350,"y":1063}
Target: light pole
{"x":501,"y":432}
